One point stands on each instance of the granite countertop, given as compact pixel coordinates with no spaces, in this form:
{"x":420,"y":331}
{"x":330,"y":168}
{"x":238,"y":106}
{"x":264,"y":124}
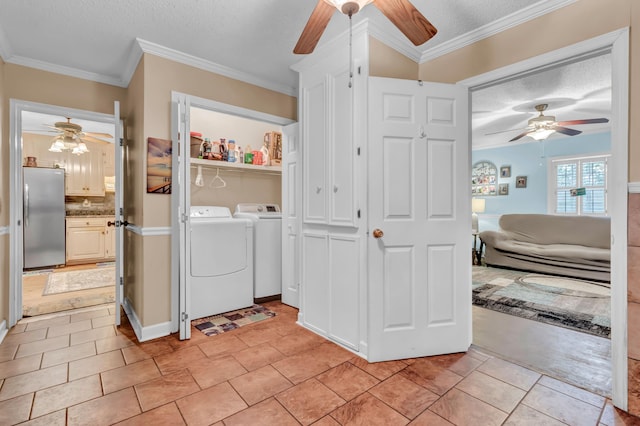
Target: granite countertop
{"x":90,"y":212}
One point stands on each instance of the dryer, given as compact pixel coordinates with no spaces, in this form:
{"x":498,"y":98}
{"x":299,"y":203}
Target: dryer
{"x":221,"y":263}
{"x":267,"y":253}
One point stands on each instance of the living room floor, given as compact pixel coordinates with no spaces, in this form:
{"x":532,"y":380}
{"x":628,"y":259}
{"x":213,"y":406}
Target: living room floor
{"x":78,"y":368}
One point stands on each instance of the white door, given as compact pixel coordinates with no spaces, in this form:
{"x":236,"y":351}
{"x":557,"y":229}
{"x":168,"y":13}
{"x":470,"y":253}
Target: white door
{"x":419,"y":219}
{"x":119,"y":206}
{"x":180,"y":205}
{"x":291,"y":207}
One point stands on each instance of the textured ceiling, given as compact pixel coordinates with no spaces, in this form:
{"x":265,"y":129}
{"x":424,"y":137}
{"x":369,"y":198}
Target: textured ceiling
{"x":101,"y":40}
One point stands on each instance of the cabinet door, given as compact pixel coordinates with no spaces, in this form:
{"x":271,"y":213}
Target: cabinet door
{"x":314,"y":153}
{"x":315,"y":293}
{"x":344,"y":264}
{"x":94,"y":171}
{"x":109,"y":239}
{"x":85,"y":243}
{"x":343,"y":202}
{"x":75,"y":181}
{"x":109,"y":160}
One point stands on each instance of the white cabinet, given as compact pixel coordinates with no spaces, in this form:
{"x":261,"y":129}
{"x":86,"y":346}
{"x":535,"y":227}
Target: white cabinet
{"x":110,"y":239}
{"x":109,"y":156}
{"x":85,"y":173}
{"x":333,"y":114}
{"x":89,"y":239}
{"x":329,"y":149}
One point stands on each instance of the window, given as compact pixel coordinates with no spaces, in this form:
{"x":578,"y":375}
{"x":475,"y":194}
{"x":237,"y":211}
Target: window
{"x":579,"y":185}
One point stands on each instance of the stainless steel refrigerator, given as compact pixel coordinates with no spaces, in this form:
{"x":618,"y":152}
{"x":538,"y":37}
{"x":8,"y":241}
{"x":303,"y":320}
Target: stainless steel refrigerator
{"x":43,"y":217}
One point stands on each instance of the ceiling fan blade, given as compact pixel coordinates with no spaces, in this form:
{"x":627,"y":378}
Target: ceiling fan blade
{"x":86,"y":138}
{"x":587,"y":121}
{"x":408,"y":19}
{"x":98,"y":135}
{"x":521,"y":135}
{"x":510,"y":130}
{"x":315,"y":27}
{"x":566,"y":131}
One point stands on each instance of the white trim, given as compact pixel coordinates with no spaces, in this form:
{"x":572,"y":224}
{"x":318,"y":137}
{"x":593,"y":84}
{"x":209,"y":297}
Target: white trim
{"x":4,"y":230}
{"x":617,"y":43}
{"x":634,"y":187}
{"x":5,"y":48}
{"x":395,"y":40}
{"x":145,"y":333}
{"x":3,"y":330}
{"x":208,"y":104}
{"x":149,"y":231}
{"x":135,"y":54}
{"x":184,"y":58}
{"x":517,"y":18}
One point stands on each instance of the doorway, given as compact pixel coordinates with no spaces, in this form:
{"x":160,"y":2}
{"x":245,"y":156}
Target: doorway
{"x":615,"y":43}
{"x":80,"y":267}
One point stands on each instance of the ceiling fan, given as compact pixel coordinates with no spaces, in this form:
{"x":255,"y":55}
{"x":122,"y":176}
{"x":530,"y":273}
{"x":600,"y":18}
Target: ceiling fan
{"x":401,"y":13}
{"x":542,"y":126}
{"x":71,"y":137}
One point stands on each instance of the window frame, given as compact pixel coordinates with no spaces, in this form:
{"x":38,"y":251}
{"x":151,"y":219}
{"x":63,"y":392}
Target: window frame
{"x":552,"y":187}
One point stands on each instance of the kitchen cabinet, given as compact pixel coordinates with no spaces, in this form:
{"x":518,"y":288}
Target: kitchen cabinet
{"x":85,"y":173}
{"x":109,"y":157}
{"x":89,"y":239}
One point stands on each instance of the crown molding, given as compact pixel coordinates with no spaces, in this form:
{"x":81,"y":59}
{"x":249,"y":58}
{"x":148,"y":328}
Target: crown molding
{"x":394,"y":40}
{"x":183,"y":58}
{"x":5,"y":48}
{"x":517,"y":18}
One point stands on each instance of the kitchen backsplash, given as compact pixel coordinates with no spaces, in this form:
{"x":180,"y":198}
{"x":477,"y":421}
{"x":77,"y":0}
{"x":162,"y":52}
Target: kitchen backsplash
{"x":81,"y":206}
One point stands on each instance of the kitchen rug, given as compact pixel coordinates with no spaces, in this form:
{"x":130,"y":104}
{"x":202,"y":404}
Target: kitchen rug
{"x":84,"y":279}
{"x":566,"y":302}
{"x":221,"y":323}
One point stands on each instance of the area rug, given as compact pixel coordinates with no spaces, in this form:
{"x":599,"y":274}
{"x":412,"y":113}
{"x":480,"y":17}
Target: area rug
{"x":63,"y":282}
{"x":571,"y":303}
{"x":222,"y":323}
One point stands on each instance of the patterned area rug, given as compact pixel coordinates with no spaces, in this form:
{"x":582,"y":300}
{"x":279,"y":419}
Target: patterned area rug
{"x":572,"y":303}
{"x":222,"y":323}
{"x":63,"y":282}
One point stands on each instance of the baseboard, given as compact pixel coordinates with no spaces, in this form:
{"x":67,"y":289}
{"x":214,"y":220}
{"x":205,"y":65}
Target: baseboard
{"x":3,"y":330}
{"x":145,"y":333}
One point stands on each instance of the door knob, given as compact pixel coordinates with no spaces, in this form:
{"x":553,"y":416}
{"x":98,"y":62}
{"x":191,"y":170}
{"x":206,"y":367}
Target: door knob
{"x":109,"y":223}
{"x":377,"y":233}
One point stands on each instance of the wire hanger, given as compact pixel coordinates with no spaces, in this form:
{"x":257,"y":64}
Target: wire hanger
{"x":217,"y":181}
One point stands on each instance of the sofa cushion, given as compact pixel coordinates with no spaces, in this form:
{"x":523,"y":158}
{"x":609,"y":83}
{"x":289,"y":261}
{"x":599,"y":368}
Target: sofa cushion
{"x":567,"y":252}
{"x":588,"y":231}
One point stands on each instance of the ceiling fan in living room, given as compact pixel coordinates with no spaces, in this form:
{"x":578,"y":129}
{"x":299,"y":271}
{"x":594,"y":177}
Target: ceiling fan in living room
{"x":401,"y":13}
{"x":542,"y":126}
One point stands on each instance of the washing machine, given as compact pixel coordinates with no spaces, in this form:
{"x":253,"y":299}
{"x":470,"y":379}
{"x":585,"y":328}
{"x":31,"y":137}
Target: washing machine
{"x":221,"y":263}
{"x":267,"y":246}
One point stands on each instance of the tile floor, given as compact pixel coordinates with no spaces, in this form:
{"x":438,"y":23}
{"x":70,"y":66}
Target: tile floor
{"x":79,"y":369}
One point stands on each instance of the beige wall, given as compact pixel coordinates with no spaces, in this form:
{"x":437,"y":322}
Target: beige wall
{"x":33,"y":85}
{"x":387,"y":62}
{"x":580,"y":21}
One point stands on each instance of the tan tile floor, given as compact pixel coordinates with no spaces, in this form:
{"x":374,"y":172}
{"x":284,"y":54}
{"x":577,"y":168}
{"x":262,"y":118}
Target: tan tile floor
{"x":79,"y":369}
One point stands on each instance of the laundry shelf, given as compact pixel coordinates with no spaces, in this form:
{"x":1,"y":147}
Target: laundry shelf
{"x":238,"y":166}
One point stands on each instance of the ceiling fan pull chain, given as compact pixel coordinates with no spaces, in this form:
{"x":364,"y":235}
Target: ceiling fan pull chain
{"x":350,"y":52}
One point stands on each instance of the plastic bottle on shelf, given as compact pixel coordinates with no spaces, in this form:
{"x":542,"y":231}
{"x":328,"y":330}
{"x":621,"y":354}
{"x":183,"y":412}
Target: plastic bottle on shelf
{"x":248,"y":155}
{"x":240,"y":155}
{"x":231,"y":157}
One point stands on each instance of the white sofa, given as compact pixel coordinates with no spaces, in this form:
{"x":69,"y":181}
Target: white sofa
{"x":574,"y":246}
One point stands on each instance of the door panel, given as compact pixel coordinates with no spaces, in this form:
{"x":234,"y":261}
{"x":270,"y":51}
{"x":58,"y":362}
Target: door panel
{"x":419,"y":273}
{"x":291,"y":220}
{"x":118,"y":249}
{"x":316,"y":280}
{"x":344,"y":259}
{"x":315,"y":199}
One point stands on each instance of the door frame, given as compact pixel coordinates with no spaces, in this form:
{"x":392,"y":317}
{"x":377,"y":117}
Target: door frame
{"x":180,"y":124}
{"x":617,"y":44}
{"x":16,"y":261}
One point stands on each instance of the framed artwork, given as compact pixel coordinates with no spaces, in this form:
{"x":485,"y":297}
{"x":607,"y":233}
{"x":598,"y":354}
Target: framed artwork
{"x":503,"y":189}
{"x":521,"y":181}
{"x":505,"y":171}
{"x":158,"y":166}
{"x":484,"y":177}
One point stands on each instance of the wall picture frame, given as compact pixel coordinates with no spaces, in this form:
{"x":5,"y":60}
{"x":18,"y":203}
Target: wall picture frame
{"x":505,"y":171}
{"x":503,"y":189}
{"x":521,"y":181}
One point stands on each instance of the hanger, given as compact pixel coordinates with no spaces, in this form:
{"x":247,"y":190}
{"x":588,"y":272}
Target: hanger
{"x":217,"y":181}
{"x":199,"y":180}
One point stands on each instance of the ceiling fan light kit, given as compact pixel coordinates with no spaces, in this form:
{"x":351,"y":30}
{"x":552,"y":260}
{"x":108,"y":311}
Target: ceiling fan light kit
{"x":69,"y":138}
{"x":348,"y":7}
